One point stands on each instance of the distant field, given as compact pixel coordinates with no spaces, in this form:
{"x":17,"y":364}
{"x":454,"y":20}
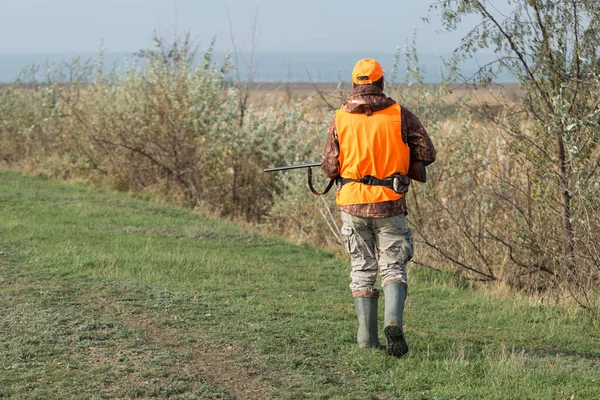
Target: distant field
{"x":105,"y":296}
{"x":306,"y":89}
{"x":266,"y":93}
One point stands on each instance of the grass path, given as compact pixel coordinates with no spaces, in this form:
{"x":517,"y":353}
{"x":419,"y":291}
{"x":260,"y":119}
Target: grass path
{"x":85,"y":339}
{"x":104,"y":296}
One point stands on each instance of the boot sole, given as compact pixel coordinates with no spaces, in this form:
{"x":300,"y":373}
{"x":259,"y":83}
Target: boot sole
{"x":396,"y":344}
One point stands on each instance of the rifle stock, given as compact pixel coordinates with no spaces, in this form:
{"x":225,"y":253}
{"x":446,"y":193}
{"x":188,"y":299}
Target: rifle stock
{"x":417,"y":171}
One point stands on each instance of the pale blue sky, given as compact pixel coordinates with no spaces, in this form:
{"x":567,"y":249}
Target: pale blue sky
{"x":51,"y":26}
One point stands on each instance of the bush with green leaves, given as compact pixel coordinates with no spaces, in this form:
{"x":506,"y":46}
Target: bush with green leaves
{"x":164,"y":125}
{"x":527,"y":210}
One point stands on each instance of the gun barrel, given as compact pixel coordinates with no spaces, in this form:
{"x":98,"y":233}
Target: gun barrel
{"x":292,"y":167}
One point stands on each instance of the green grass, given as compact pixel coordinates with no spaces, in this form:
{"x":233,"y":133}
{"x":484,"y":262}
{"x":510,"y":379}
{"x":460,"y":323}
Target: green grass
{"x":106,"y":296}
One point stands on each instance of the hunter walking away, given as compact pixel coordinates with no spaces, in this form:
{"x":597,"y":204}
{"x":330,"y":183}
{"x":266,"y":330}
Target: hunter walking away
{"x":372,"y":144}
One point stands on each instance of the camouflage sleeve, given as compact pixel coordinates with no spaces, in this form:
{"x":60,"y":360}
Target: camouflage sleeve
{"x":421,"y":146}
{"x":330,"y":162}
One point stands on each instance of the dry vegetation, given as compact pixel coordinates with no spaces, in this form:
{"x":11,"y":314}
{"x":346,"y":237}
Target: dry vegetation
{"x":181,"y":133}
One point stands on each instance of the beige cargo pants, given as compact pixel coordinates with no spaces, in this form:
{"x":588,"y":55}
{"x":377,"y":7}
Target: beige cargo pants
{"x":376,"y":244}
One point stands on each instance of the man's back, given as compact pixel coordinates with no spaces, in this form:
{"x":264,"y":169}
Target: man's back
{"x":370,"y":146}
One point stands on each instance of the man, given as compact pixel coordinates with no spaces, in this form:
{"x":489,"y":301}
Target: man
{"x":374,"y":144}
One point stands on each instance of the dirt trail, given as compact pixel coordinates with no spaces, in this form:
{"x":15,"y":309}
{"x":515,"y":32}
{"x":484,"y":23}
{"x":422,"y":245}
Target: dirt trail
{"x":233,"y":368}
{"x":133,"y":348}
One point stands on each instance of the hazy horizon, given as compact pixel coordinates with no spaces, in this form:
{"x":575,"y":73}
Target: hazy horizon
{"x":269,"y":66}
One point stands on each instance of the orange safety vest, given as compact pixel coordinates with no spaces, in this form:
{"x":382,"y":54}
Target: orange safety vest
{"x":370,"y":145}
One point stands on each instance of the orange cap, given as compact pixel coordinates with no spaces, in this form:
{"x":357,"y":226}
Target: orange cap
{"x":366,"y":71}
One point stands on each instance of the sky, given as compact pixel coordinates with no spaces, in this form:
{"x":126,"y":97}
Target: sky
{"x":320,"y":26}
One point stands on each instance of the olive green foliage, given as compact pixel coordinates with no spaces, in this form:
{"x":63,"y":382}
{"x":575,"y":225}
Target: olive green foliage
{"x":164,"y":126}
{"x":523,"y":207}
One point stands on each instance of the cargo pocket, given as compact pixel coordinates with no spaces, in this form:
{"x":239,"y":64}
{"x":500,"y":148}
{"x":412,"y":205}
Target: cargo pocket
{"x":349,"y":240}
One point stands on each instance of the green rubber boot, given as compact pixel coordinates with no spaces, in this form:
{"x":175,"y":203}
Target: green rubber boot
{"x":366,"y":309}
{"x":395,"y":294}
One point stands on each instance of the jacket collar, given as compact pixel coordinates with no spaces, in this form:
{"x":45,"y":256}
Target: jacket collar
{"x":365,"y":99}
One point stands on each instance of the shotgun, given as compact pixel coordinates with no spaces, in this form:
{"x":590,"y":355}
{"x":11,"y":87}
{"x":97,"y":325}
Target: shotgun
{"x":416,"y":172}
{"x":309,"y":171}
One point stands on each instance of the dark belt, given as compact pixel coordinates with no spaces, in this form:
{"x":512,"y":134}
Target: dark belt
{"x":398,"y":183}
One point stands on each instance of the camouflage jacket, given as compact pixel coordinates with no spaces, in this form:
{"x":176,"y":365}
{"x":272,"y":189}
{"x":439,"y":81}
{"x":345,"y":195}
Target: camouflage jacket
{"x":366,"y":99}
